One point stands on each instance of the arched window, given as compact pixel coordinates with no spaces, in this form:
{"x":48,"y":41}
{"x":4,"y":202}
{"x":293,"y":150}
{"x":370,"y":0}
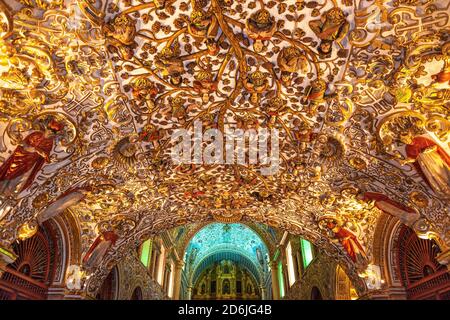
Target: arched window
{"x":281,"y":279}
{"x":137,"y":294}
{"x":422,"y":275}
{"x":146,"y":249}
{"x":316,"y":294}
{"x":213,"y":286}
{"x":290,"y":264}
{"x":171,"y":280}
{"x":307,"y":252}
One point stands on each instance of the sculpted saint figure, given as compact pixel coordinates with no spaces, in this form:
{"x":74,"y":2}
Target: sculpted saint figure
{"x":303,"y":133}
{"x":260,"y":27}
{"x":430,"y":160}
{"x":121,"y":32}
{"x":204,"y":84}
{"x":19,"y":171}
{"x":291,"y":59}
{"x":256,"y":83}
{"x":332,"y":26}
{"x":315,"y":94}
{"x":169,"y":64}
{"x":348,"y":240}
{"x":275,"y":107}
{"x":144,"y":91}
{"x":202,"y":25}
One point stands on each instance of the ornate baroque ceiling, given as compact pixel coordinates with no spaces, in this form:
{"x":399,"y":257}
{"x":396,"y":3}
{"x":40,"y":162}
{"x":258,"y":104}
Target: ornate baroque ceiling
{"x":347,"y":83}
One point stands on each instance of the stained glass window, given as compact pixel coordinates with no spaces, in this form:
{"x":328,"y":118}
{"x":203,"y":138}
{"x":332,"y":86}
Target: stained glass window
{"x":145,"y":252}
{"x":307,"y":253}
{"x":290,"y":264}
{"x":281,"y":279}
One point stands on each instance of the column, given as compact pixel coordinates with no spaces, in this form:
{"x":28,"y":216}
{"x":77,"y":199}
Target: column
{"x":244,"y":285}
{"x":275,"y":285}
{"x":189,"y":293}
{"x":177,"y":280}
{"x":166,"y":280}
{"x":160,"y":272}
{"x":262,"y":290}
{"x":153,"y":263}
{"x":208,"y":286}
{"x":299,"y":264}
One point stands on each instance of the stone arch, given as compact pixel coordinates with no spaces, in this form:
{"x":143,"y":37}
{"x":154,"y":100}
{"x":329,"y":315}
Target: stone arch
{"x":384,"y":253}
{"x":299,"y":228}
{"x":69,"y":245}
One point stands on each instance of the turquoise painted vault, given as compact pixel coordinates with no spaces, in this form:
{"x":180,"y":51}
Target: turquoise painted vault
{"x":220,"y":238}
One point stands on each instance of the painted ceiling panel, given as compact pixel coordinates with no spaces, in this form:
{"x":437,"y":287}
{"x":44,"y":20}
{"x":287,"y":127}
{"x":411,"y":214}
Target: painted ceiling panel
{"x":91,"y":92}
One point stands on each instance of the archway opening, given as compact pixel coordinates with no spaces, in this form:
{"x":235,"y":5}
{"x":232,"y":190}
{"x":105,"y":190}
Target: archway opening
{"x":226,"y":261}
{"x":108,"y":290}
{"x":137,"y":294}
{"x":316,"y":294}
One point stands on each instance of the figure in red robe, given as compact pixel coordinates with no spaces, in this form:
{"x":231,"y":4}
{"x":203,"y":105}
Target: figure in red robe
{"x":405,"y":214}
{"x":99,"y":248}
{"x":349,"y":241}
{"x":432,"y":162}
{"x":19,"y":171}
